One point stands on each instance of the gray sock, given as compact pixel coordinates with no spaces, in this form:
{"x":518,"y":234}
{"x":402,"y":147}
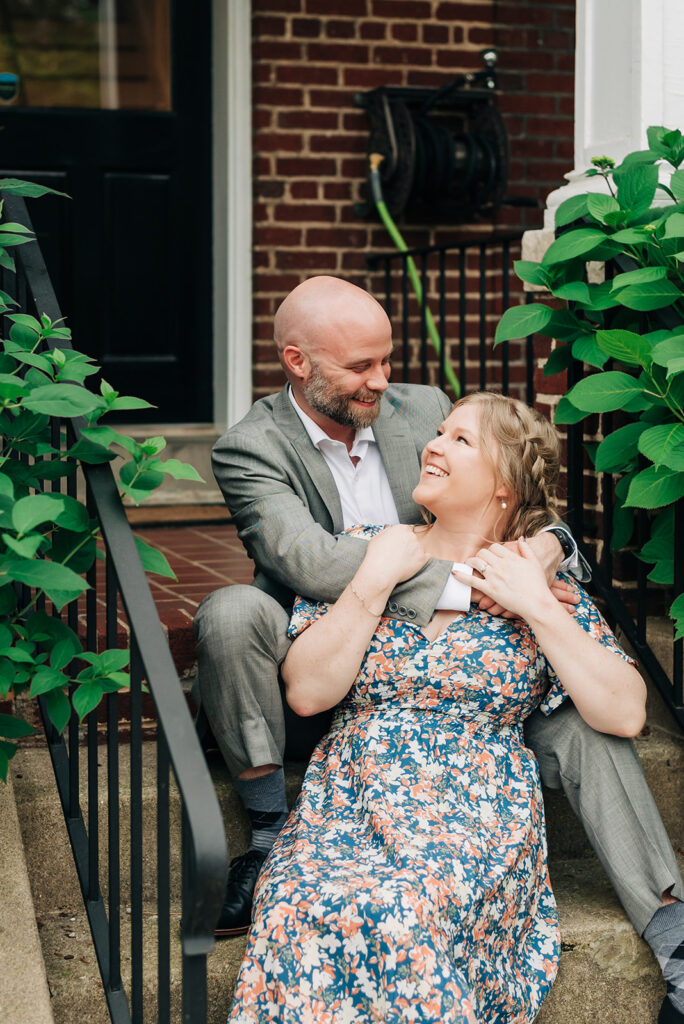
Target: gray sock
{"x":665,"y":935}
{"x":266,"y":804}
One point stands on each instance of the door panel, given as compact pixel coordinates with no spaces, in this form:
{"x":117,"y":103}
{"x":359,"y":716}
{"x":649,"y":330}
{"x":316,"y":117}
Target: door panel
{"x":130,"y":253}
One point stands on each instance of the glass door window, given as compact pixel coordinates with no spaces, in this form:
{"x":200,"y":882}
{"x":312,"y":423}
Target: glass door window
{"x":102,"y":54}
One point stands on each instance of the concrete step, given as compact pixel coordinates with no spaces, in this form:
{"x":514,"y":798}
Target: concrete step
{"x":607,"y":973}
{"x":662,"y":756}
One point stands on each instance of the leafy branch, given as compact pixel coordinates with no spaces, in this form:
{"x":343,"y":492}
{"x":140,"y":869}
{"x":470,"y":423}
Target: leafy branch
{"x":635,"y":319}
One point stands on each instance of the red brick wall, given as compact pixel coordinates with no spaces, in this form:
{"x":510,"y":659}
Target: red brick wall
{"x":311,"y":57}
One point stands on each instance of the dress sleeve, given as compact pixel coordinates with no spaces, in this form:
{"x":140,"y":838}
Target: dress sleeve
{"x":306,"y":612}
{"x":590,"y":619}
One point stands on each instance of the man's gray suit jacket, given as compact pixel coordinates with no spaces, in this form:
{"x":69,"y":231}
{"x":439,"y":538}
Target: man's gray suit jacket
{"x":285,"y":504}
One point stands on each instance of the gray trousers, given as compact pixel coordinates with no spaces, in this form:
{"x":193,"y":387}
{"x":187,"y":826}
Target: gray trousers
{"x":241,"y":642}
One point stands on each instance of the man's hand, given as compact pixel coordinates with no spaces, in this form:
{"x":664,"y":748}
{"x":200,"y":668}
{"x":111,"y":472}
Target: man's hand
{"x":549,"y":553}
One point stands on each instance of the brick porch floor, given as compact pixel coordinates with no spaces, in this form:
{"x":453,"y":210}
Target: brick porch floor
{"x":204,"y":558}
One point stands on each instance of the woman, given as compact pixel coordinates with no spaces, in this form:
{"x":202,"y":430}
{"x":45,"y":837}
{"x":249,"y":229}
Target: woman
{"x":410,"y":881}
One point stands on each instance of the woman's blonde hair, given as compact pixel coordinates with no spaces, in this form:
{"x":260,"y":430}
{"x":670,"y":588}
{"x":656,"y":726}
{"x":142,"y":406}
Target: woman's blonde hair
{"x":527,"y":461}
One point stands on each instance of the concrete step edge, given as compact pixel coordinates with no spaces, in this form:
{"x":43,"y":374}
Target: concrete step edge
{"x":24,"y":992}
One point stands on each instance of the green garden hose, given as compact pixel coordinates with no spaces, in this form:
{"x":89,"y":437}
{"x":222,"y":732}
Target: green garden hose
{"x":375,"y":159}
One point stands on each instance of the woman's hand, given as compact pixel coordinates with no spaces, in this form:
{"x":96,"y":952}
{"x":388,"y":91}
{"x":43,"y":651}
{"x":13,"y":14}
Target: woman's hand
{"x":394,"y":555}
{"x":513,"y":579}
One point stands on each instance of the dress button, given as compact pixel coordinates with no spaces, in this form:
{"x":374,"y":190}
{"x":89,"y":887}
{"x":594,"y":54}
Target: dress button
{"x":401,"y":609}
{"x":392,"y":606}
{"x":411,"y":614}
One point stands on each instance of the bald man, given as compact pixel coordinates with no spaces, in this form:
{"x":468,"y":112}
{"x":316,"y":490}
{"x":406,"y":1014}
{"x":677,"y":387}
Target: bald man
{"x":339,"y":446}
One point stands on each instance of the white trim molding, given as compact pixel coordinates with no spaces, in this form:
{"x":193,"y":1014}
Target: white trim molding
{"x":232,"y":221}
{"x":628,"y":75}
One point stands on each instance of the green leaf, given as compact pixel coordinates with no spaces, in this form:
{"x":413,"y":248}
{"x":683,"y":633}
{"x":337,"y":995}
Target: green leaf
{"x":178,"y":470}
{"x":59,"y":582}
{"x":61,"y":509}
{"x":677,"y":184}
{"x":631,"y":236}
{"x":46,"y":679}
{"x":7,"y":752}
{"x":677,"y":613}
{"x":25,"y":548}
{"x":599,"y":205}
{"x":86,"y":698}
{"x":530,"y":272}
{"x":12,"y":387}
{"x":29,"y":512}
{"x":73,"y":548}
{"x":659,"y":547}
{"x":7,"y":261}
{"x":646,"y":297}
{"x":132,"y":476}
{"x":664,"y":445}
{"x":670,"y":353}
{"x":640,"y":276}
{"x":6,"y":240}
{"x":61,"y":654}
{"x":66,"y":400}
{"x":617,"y":451}
{"x":572,"y":244}
{"x":153,"y":446}
{"x":574,"y":291}
{"x":13,"y":728}
{"x":603,"y":392}
{"x":154,"y":560}
{"x":18,"y":655}
{"x":601,"y":296}
{"x":92,"y":454}
{"x":34,"y":359}
{"x":107,"y":661}
{"x":641,"y":156}
{"x":566,"y":412}
{"x":587,"y":351}
{"x":636,"y":187}
{"x":558,"y":360}
{"x":521,"y":321}
{"x":662,"y":572}
{"x":674,"y":226}
{"x":626,"y":346}
{"x":128,"y":402}
{"x":571,"y":209}
{"x":58,"y":709}
{"x":16,"y":187}
{"x":654,"y":488}
{"x":623,"y":527}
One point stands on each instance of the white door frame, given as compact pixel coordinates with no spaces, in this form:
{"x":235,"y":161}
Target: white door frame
{"x":232,"y":210}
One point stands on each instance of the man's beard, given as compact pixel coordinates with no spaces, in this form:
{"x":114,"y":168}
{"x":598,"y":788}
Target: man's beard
{"x":321,"y":396}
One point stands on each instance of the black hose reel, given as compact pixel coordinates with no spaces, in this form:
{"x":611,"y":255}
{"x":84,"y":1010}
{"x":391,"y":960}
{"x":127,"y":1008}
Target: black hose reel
{"x":445,"y":150}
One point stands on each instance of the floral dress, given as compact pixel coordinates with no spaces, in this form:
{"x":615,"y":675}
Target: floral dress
{"x":410,"y":881}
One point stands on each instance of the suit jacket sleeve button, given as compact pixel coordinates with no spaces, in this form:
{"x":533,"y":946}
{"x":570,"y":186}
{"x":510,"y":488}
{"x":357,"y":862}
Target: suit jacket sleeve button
{"x":410,"y":614}
{"x":392,"y":606}
{"x":401,"y":609}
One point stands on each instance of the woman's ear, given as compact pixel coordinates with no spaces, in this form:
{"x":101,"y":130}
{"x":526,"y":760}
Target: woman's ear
{"x":296,"y":362}
{"x":503,"y":495}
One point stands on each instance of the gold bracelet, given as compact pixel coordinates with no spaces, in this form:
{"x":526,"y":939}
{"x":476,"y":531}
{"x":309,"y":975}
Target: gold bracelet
{"x":378,"y":615}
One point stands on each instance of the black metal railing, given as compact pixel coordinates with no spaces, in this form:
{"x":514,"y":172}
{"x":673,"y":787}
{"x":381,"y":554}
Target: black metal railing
{"x":468,"y":285}
{"x":119,"y":610}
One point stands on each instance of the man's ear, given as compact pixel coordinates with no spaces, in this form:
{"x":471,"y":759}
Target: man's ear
{"x":296,"y":362}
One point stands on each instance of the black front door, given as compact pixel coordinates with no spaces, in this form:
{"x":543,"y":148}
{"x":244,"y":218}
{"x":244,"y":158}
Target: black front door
{"x":113,"y":106}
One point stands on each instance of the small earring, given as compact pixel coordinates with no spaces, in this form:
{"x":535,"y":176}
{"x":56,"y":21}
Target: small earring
{"x":504,"y":505}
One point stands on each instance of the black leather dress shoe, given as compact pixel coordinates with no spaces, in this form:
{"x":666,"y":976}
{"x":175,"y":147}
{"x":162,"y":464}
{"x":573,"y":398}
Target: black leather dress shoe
{"x":669,"y":1014}
{"x":237,"y":908}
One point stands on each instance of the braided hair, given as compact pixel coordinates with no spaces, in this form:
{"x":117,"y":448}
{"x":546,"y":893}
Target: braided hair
{"x":526,"y":460}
